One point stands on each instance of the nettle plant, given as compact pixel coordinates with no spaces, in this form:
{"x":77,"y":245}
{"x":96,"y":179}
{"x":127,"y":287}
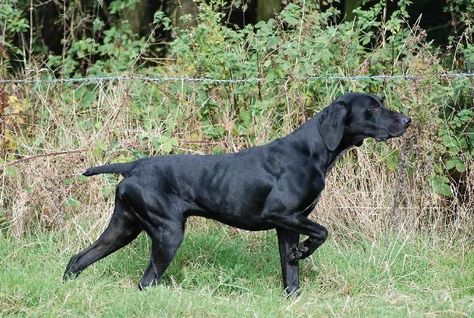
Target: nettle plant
{"x":96,"y":48}
{"x":12,"y":22}
{"x":455,"y":144}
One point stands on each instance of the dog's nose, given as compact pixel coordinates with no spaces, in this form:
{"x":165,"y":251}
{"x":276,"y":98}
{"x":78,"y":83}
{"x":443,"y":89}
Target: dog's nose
{"x":406,"y":121}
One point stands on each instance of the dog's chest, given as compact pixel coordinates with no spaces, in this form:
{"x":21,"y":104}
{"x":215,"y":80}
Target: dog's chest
{"x":312,"y":193}
{"x":333,"y":163}
{"x":316,"y":193}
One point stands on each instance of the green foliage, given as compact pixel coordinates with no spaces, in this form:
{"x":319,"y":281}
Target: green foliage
{"x":463,"y":10}
{"x":11,"y":18}
{"x":164,"y":143}
{"x":117,"y":6}
{"x":160,"y":18}
{"x":291,"y":14}
{"x":12,"y":22}
{"x":458,"y":140}
{"x":440,"y":185}
{"x":118,"y":52}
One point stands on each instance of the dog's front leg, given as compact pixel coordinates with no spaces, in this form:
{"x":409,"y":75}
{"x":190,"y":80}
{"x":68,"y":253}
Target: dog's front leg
{"x":287,"y":241}
{"x":298,"y":223}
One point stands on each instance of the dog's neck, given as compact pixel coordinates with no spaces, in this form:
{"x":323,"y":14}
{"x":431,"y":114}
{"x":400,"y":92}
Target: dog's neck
{"x":333,"y":156}
{"x":308,"y":139}
{"x":345,"y":144}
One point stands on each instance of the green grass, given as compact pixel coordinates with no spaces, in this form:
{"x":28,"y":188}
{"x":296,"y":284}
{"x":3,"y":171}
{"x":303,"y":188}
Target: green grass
{"x":218,"y":273}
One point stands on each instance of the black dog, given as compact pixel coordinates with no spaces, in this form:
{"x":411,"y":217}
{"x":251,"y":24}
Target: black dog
{"x":274,"y":186}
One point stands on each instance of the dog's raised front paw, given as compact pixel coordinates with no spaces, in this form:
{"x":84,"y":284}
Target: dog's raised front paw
{"x":298,"y":252}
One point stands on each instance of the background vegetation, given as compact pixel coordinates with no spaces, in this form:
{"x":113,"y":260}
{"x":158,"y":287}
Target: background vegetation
{"x":401,"y":239}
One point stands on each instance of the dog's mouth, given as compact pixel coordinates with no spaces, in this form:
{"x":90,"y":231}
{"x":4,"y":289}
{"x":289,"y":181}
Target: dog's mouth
{"x":398,"y":133}
{"x":391,"y":134}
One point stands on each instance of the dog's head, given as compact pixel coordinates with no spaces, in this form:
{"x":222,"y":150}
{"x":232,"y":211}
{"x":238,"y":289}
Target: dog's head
{"x":356,"y":116}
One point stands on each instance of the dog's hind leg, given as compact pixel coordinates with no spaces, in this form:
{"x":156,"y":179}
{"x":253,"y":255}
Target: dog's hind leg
{"x":165,"y":238}
{"x":122,"y":229}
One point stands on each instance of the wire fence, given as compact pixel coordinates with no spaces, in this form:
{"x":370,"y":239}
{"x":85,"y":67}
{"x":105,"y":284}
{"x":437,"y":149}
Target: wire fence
{"x":162,"y":79}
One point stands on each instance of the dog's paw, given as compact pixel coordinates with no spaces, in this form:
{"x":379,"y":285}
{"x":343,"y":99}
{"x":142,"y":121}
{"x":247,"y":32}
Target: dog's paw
{"x":69,"y":276}
{"x":298,"y":252}
{"x":69,"y":272}
{"x":292,"y":291}
{"x":148,"y":279}
{"x":294,"y":256}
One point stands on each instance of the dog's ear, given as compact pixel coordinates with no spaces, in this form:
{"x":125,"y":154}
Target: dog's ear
{"x":331,"y":123}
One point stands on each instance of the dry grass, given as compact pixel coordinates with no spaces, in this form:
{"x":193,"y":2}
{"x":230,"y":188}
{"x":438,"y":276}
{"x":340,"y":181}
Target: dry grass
{"x":366,"y":199}
{"x":362,"y":198}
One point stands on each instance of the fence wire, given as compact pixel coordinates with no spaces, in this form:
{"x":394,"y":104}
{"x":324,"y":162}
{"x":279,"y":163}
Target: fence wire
{"x":161,"y":79}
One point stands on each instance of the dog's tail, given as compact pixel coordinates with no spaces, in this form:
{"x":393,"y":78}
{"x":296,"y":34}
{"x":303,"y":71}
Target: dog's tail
{"x":122,"y":168}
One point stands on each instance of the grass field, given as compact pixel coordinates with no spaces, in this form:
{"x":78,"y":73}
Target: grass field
{"x":219,"y":272}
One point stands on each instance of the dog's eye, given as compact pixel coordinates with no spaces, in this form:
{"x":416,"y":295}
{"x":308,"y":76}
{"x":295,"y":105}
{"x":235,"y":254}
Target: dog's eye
{"x":373,"y":107}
